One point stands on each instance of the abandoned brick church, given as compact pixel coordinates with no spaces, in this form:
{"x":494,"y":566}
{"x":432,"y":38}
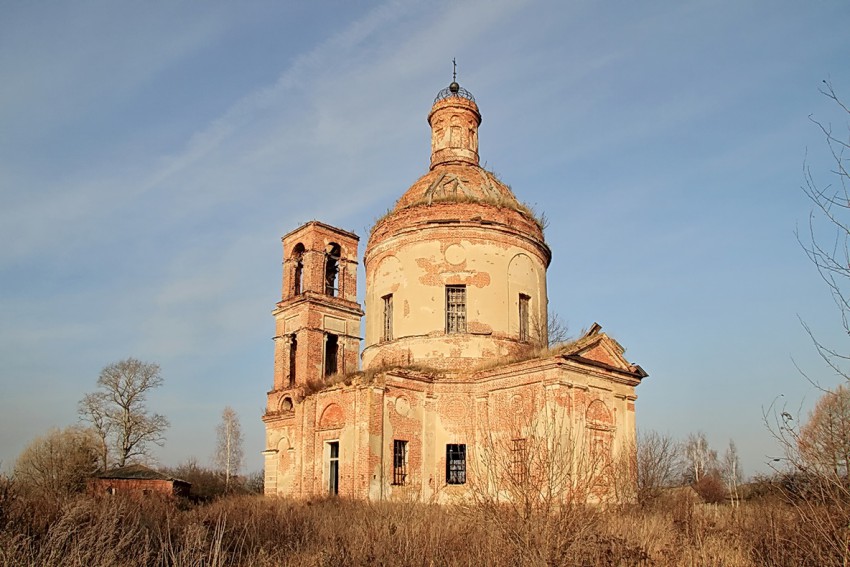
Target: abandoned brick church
{"x":458,"y":394}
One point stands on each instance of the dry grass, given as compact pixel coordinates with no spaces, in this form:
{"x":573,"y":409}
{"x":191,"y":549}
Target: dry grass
{"x":257,"y":531}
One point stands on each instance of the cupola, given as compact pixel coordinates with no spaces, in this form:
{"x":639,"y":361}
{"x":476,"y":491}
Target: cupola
{"x":454,"y":120}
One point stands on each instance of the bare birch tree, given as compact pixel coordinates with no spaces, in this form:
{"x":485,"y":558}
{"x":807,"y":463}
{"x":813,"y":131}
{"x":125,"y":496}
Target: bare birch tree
{"x":119,"y":414}
{"x":229,"y":454}
{"x":700,"y":459}
{"x":732,"y":472}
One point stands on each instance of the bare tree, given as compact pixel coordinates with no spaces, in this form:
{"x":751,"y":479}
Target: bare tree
{"x":732,"y":472}
{"x":827,"y":243}
{"x":549,"y":332}
{"x":812,"y":483}
{"x":699,"y":458}
{"x":658,"y":464}
{"x":93,"y":409}
{"x":118,"y":412}
{"x":228,"y":453}
{"x":813,"y":452}
{"x":534,"y":474}
{"x":58,"y":463}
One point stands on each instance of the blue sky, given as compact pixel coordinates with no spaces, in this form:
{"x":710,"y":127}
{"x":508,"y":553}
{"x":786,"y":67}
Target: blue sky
{"x":152,"y":154}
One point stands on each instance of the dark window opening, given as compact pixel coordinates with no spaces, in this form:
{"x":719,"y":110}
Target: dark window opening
{"x":293,"y":357}
{"x":519,"y":454}
{"x":333,"y":467}
{"x":331,"y":351}
{"x":332,"y":269}
{"x":524,"y":301}
{"x":298,"y":270}
{"x":399,"y":462}
{"x":455,"y":309}
{"x":388,"y":318}
{"x":456,"y":464}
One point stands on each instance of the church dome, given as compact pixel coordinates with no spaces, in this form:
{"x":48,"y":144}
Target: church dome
{"x":456,"y":271}
{"x":455,"y":175}
{"x":458,"y":183}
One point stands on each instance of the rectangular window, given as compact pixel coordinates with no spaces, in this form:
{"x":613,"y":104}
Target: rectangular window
{"x":399,"y":462}
{"x":388,"y":318}
{"x":333,"y":467}
{"x":519,"y":454}
{"x":524,"y":300}
{"x":331,"y":351}
{"x":455,"y":309}
{"x":456,"y":464}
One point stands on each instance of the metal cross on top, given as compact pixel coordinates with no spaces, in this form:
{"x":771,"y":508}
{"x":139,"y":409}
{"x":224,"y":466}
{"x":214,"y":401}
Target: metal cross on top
{"x":454,"y":70}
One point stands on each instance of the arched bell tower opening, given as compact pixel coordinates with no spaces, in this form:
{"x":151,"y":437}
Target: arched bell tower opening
{"x":317,"y":323}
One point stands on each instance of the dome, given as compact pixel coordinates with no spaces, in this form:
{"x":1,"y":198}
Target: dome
{"x":456,"y":271}
{"x":459,"y":183}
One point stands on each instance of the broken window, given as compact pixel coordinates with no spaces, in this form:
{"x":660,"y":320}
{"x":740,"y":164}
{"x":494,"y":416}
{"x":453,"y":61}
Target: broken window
{"x":331,"y":351}
{"x":455,"y":309}
{"x":388,"y":318}
{"x":293,"y":357}
{"x":332,"y":269}
{"x":399,"y":462}
{"x":523,"y":316}
{"x":519,"y":454}
{"x":333,"y":467}
{"x":298,"y":269}
{"x":456,"y":463}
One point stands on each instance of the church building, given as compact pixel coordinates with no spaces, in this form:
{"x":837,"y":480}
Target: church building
{"x":459,"y":395}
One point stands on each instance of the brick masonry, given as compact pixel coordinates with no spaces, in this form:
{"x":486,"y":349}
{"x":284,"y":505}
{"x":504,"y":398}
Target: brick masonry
{"x":487,"y":386}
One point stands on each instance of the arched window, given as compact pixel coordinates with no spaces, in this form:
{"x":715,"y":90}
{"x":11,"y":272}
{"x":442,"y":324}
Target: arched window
{"x":298,"y":269}
{"x":286,"y":405}
{"x":293,"y":357}
{"x":332,"y":269}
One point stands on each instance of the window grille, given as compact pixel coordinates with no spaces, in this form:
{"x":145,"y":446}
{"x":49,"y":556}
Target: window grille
{"x":456,"y":464}
{"x":455,"y":309}
{"x":523,"y":316}
{"x":519,"y":458}
{"x":399,"y":462}
{"x":388,"y":317}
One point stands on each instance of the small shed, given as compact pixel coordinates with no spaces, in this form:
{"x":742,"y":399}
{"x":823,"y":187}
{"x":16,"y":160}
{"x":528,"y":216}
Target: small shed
{"x":138,"y":480}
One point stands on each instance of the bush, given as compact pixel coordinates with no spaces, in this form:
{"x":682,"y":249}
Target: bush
{"x":711,"y":488}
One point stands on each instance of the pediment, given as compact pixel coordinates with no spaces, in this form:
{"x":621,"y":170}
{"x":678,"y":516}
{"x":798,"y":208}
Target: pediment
{"x":596,"y":346}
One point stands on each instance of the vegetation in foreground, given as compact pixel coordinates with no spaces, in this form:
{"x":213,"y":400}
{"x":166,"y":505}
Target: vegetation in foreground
{"x":678,"y":529}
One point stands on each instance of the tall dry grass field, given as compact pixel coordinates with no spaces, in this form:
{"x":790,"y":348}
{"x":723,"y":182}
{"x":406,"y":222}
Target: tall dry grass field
{"x":90,"y":531}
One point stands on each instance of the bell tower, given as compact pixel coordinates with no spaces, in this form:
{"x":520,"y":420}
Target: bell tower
{"x":317,"y":320}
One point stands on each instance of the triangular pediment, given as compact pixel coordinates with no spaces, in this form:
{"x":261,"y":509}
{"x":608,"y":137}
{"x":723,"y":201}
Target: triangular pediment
{"x":597,"y":347}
